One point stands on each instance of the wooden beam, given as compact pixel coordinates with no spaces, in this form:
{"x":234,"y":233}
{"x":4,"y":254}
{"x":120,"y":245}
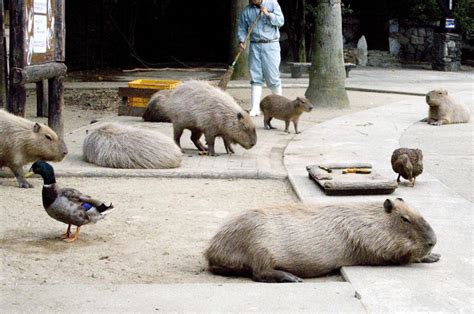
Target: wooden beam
{"x":3,"y":57}
{"x":41,"y":100}
{"x":17,"y":92}
{"x":37,"y":73}
{"x":56,"y":104}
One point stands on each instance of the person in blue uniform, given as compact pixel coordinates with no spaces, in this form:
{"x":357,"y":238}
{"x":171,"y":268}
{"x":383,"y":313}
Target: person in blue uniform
{"x":264,"y":50}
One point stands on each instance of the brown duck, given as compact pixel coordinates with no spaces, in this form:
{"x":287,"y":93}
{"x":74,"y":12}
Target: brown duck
{"x":408,"y":163}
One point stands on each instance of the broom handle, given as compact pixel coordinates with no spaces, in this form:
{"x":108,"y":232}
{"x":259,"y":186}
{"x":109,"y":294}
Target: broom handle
{"x":246,"y":38}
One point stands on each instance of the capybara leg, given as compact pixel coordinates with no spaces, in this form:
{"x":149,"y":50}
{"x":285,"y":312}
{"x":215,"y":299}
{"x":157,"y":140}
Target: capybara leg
{"x":210,"y":143}
{"x":195,"y":137}
{"x":266,"y":122}
{"x":413,"y":183}
{"x":431,"y":258}
{"x":18,"y":172}
{"x":398,"y":179}
{"x":270,"y":123}
{"x":287,"y":125}
{"x":177,"y":135}
{"x":275,"y":276}
{"x":295,"y":124}
{"x":228,"y":147}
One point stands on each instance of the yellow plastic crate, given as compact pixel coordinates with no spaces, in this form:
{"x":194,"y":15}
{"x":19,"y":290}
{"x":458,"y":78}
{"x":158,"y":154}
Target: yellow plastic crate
{"x":149,"y":84}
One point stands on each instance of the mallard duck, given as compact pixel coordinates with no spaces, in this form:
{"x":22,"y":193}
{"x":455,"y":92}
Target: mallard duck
{"x":67,"y":205}
{"x":408,"y":163}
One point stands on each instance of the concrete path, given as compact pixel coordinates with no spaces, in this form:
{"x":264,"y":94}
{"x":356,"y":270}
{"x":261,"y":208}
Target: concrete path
{"x":371,"y":136}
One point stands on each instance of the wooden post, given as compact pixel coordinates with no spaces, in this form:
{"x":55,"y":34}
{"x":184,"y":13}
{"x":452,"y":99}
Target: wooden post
{"x":55,"y":85}
{"x":41,"y":100}
{"x":3,"y":56}
{"x":17,"y":92}
{"x":56,"y":105}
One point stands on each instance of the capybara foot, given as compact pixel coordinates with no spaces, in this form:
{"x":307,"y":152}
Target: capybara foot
{"x":272,"y":276}
{"x":424,"y":120}
{"x":299,"y":132}
{"x":25,"y":184}
{"x":431,"y":258}
{"x":436,"y":123}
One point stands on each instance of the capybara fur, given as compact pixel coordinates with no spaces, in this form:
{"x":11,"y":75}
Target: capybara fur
{"x":118,"y":146}
{"x":287,"y":243}
{"x":282,"y":108}
{"x":444,"y":109}
{"x":157,"y":108}
{"x":408,"y":163}
{"x":205,"y":109}
{"x":23,"y":141}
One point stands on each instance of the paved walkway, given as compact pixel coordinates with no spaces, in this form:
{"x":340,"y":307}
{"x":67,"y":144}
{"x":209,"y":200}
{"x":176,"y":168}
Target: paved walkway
{"x":442,"y":194}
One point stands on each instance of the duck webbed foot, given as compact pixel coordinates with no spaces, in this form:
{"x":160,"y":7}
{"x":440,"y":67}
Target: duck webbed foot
{"x":74,"y":237}
{"x":67,"y":234}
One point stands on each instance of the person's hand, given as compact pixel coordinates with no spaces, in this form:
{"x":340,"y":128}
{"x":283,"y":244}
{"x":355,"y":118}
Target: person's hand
{"x":264,"y":11}
{"x":242,"y":46}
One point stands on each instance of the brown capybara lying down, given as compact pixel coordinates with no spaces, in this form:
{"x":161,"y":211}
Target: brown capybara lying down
{"x":287,"y":243}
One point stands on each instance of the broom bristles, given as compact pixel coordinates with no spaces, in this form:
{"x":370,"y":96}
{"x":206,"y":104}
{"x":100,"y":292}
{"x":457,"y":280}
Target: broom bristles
{"x":226,"y":78}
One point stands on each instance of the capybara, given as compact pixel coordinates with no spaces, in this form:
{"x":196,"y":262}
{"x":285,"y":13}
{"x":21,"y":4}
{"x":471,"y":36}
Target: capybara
{"x":287,"y":243}
{"x":23,"y":141}
{"x":282,"y":108}
{"x":408,"y":163}
{"x":444,"y":109}
{"x":157,"y":108}
{"x":119,"y":146}
{"x":205,"y":109}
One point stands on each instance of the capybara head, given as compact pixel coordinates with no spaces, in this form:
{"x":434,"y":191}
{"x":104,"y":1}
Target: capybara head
{"x":409,"y":233}
{"x":244,"y":131}
{"x":435,"y":97}
{"x":303,"y":104}
{"x":45,"y":144}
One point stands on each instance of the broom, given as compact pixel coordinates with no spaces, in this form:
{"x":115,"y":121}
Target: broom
{"x":230,"y":70}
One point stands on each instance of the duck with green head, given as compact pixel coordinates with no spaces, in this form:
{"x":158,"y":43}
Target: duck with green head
{"x":66,"y":204}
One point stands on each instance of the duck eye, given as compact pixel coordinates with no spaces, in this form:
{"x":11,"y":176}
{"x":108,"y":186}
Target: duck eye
{"x":405,"y":219}
{"x":48,"y":137}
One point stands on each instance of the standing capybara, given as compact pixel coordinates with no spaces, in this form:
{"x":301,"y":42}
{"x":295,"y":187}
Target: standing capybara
{"x":408,"y":163}
{"x":205,"y":109}
{"x":119,"y":146}
{"x":282,"y":108}
{"x":444,"y":109}
{"x":23,"y":141}
{"x":157,"y":108}
{"x":285,"y":244}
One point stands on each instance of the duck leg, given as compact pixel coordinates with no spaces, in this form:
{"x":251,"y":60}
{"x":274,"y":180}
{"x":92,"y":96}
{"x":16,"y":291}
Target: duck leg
{"x":67,"y":234}
{"x":75,"y":236}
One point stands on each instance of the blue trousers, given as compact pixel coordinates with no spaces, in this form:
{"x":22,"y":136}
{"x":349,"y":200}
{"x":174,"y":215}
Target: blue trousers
{"x":264,"y":64}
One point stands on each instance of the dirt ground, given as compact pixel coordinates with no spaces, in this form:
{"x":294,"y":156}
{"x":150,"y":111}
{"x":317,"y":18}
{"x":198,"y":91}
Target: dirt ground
{"x":160,"y":227}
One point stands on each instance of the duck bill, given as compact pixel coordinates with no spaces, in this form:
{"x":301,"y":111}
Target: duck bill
{"x":28,"y":174}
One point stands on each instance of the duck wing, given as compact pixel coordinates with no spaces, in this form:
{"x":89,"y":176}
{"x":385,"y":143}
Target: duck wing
{"x":76,"y":196}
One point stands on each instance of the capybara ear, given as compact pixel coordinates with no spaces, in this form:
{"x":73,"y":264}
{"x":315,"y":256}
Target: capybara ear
{"x":240,"y":116}
{"x":36,"y":127}
{"x":388,"y":205}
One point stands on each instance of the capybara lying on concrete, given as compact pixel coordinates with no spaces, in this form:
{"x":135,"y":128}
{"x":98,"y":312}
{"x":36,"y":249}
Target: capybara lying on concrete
{"x":157,"y":108}
{"x":444,"y":109}
{"x":205,"y":109}
{"x":287,"y":243}
{"x":118,"y":146}
{"x":23,"y":141}
{"x":282,"y":108}
{"x":408,"y":163}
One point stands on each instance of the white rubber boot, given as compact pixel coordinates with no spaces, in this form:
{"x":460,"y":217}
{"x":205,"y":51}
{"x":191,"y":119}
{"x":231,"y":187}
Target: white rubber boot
{"x":277,"y":90}
{"x":256,"y":94}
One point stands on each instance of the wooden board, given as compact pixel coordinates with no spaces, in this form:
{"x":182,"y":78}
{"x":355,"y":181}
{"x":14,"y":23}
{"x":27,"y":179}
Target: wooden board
{"x":337,"y":183}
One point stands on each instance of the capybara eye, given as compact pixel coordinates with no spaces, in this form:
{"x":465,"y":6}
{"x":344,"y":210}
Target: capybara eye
{"x":48,"y":137}
{"x":405,"y":219}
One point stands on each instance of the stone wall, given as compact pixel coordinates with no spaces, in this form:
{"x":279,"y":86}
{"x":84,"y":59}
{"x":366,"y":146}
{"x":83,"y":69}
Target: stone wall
{"x":412,"y":43}
{"x":447,"y":52}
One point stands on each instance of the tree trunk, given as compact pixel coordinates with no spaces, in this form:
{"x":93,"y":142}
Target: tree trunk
{"x":241,"y":70}
{"x":327,"y":74}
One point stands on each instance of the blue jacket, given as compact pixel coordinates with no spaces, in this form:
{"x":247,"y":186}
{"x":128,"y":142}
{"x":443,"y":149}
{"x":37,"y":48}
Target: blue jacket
{"x":267,"y":27}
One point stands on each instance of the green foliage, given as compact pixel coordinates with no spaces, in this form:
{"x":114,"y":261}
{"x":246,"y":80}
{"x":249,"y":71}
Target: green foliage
{"x":461,"y":14}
